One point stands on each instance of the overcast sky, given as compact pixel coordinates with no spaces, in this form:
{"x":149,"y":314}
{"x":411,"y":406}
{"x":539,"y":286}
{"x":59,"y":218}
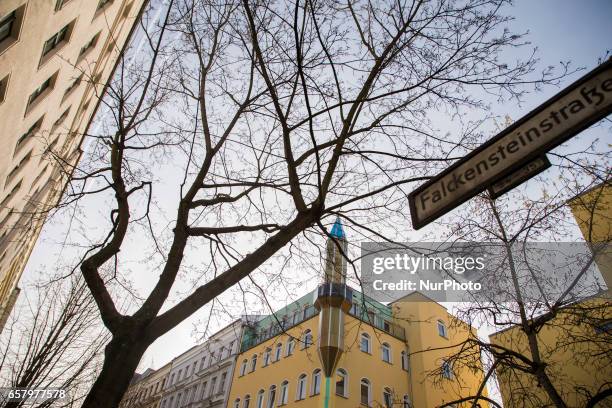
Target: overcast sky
{"x":562,"y":30}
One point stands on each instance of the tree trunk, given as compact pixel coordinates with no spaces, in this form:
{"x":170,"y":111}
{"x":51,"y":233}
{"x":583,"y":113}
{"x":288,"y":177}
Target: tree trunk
{"x":121,"y":358}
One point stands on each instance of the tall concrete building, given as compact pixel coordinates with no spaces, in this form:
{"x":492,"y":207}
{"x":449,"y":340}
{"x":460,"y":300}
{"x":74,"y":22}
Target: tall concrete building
{"x":55,"y":58}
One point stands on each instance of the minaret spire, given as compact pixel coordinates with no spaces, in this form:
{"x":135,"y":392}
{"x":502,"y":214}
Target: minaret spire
{"x":333,"y":301}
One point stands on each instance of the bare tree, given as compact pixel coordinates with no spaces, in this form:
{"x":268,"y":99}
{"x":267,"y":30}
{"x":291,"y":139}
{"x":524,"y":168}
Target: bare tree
{"x":534,"y":299}
{"x":278,"y":116}
{"x":54,"y":340}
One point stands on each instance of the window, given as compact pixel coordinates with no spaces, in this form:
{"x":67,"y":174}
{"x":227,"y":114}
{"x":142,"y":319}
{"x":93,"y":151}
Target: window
{"x":243,"y":367}
{"x":237,"y":403}
{"x":301,"y":387}
{"x":222,"y":383}
{"x":386,"y":352}
{"x":266,"y":360}
{"x":365,"y":392}
{"x":59,"y":4}
{"x":24,"y":160}
{"x":88,"y":46}
{"x":278,"y":351}
{"x":290,"y":346}
{"x":203,"y":394}
{"x":60,"y":119}
{"x":316,"y":382}
{"x":364,"y":344}
{"x":45,"y":87}
{"x":247,"y":401}
{"x":341,"y":382}
{"x":447,"y":370}
{"x":307,"y":338}
{"x":407,"y":403}
{"x":253,"y":362}
{"x":405,"y":361}
{"x":3,"y":88}
{"x":213,"y":383}
{"x":387,"y":398}
{"x":56,"y":40}
{"x":272,"y":396}
{"x":442,"y":329}
{"x":203,"y":362}
{"x":104,"y":3}
{"x":284,"y":391}
{"x":6,"y":25}
{"x":73,"y":85}
{"x":28,"y":135}
{"x":260,"y":399}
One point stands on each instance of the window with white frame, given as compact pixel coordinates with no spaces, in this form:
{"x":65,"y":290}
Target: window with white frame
{"x":386,"y":352}
{"x":365,"y":392}
{"x":388,"y":397}
{"x":290,"y":347}
{"x":407,"y":403}
{"x":243,"y":367}
{"x":253,"y":362}
{"x":266,"y":359}
{"x":272,"y":396}
{"x":260,"y":399}
{"x":341,"y":382}
{"x":237,"y":403}
{"x":316,"y":382}
{"x":405,"y":361}
{"x":284,"y":393}
{"x":247,"y":401}
{"x":301,"y":387}
{"x":278,"y":351}
{"x":364,"y":343}
{"x":447,"y":370}
{"x":307,"y":339}
{"x":442,"y":329}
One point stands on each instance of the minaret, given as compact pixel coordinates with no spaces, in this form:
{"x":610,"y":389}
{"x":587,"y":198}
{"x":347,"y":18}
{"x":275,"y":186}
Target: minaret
{"x":333,"y":300}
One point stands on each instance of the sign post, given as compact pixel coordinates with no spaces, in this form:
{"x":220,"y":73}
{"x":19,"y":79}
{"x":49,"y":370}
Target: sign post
{"x":500,"y":159}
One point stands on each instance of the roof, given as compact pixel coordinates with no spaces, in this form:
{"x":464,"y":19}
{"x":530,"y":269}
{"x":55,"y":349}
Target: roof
{"x":337,"y":230}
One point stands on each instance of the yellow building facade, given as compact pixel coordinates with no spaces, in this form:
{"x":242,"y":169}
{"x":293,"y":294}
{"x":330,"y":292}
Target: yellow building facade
{"x":575,"y":344}
{"x":55,"y":58}
{"x":390,"y":354}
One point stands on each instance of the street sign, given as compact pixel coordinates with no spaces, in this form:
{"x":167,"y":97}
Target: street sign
{"x":572,"y":110}
{"x":507,"y":183}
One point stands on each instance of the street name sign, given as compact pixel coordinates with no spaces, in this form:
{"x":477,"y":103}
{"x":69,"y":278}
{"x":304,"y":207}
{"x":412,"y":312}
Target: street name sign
{"x":572,"y":110}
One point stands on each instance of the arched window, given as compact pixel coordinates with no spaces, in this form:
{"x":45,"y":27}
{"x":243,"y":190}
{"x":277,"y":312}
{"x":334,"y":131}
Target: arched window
{"x":442,"y":329}
{"x":388,"y":397}
{"x":341,"y":382}
{"x":405,"y":361}
{"x":260,"y":399}
{"x":284,"y":393}
{"x":267,"y":353}
{"x":365,"y":392}
{"x":316,"y":382}
{"x":364,"y":344}
{"x":407,"y":403}
{"x":247,"y":401}
{"x":447,"y":370}
{"x":253,"y":362}
{"x":290,"y":347}
{"x":386,"y":352}
{"x":278,"y":351}
{"x":301,"y":387}
{"x":243,"y":367}
{"x":271,"y":396}
{"x":237,"y":403}
{"x":307,"y":338}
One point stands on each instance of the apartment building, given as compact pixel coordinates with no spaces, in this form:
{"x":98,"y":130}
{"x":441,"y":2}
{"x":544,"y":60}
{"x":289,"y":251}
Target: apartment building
{"x":55,"y":58}
{"x":199,"y":377}
{"x":146,"y":389}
